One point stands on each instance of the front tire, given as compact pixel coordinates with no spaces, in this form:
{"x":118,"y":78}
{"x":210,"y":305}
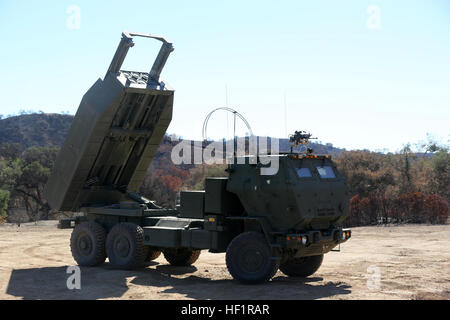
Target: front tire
{"x":302,"y":267}
{"x":125,"y":246}
{"x":87,"y":244}
{"x":249,"y":259}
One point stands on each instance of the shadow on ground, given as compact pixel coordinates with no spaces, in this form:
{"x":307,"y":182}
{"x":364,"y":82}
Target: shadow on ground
{"x":106,"y":282}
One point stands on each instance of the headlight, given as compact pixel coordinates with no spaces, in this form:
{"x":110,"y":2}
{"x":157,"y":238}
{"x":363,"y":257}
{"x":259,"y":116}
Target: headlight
{"x":304,"y":240}
{"x":343,"y":236}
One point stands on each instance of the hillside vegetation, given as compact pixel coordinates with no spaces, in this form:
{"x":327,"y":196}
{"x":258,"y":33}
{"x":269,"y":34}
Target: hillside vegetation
{"x":403,"y":187}
{"x":35,"y":129}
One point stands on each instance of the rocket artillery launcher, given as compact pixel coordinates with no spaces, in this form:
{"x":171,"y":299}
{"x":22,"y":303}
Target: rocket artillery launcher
{"x":285,"y":221}
{"x":116,"y":131}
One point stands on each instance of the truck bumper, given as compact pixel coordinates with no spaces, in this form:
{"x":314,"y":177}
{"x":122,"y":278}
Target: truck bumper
{"x":315,"y":242}
{"x":66,"y":223}
{"x":70,"y":223}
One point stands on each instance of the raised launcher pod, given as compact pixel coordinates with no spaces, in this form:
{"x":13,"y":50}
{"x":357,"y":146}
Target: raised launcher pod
{"x":116,"y":131}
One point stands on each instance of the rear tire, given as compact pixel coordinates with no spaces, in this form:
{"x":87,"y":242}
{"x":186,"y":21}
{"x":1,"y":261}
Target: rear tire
{"x":125,"y":246}
{"x":249,"y":259}
{"x":87,"y":244}
{"x":181,"y":257}
{"x":302,"y":267}
{"x":152,"y":254}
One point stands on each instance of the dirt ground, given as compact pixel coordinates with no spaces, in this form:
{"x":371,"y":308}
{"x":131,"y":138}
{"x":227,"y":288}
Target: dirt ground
{"x":395,"y":262}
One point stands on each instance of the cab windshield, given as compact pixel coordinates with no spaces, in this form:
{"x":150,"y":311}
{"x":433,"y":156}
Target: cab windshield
{"x":303,"y":172}
{"x":326,"y":172}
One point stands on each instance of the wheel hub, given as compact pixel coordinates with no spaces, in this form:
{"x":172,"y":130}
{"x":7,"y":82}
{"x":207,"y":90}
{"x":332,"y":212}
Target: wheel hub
{"x":122,"y":247}
{"x":85,"y":245}
{"x":252,"y":260}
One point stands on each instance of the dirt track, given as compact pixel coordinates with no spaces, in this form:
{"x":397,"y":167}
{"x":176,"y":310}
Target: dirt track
{"x":413,"y":263}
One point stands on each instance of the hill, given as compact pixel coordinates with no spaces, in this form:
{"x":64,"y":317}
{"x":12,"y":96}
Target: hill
{"x":38,"y":129}
{"x":50,"y":129}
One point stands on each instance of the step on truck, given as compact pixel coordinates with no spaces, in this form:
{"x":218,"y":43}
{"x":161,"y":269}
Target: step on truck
{"x":264,"y":223}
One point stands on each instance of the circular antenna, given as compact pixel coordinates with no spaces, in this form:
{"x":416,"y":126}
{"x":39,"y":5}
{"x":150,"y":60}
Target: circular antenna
{"x":234,"y":112}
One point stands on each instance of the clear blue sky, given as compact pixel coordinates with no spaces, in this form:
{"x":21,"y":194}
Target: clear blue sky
{"x":354,"y":76}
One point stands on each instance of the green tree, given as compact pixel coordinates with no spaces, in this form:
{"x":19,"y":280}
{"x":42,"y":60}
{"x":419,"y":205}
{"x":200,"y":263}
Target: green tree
{"x":36,"y":164}
{"x":10,"y":171}
{"x":440,"y":183}
{"x":24,"y":175}
{"x":4,"y":198}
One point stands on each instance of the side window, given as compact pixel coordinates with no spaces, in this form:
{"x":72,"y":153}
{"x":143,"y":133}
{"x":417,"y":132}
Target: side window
{"x":303,"y":172}
{"x":326,"y":172}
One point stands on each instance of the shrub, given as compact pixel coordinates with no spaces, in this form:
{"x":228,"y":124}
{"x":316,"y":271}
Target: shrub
{"x":437,"y":209}
{"x":4,"y":198}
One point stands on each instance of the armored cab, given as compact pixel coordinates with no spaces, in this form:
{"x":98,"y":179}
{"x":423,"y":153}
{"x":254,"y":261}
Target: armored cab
{"x":307,"y":192}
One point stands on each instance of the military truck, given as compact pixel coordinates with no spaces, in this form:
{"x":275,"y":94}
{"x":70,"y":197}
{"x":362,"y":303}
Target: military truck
{"x":286,"y":221}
